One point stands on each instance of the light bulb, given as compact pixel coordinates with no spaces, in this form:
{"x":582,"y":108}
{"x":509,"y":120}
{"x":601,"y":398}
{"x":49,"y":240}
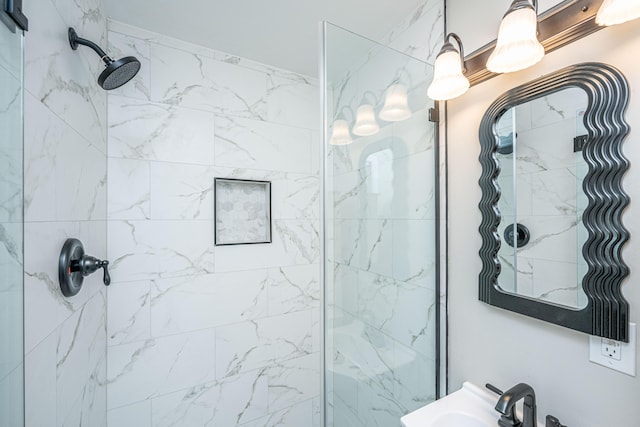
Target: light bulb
{"x":517,"y":47}
{"x":448,"y":80}
{"x":614,"y":12}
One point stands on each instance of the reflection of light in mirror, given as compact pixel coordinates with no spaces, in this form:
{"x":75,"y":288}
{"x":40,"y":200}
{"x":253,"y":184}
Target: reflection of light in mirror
{"x":366,"y":124}
{"x":341,"y":134}
{"x":396,"y":104}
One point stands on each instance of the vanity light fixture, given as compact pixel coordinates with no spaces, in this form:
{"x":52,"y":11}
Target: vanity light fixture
{"x":340,"y":134}
{"x":614,"y":12}
{"x":448,"y":73}
{"x":517,"y":46}
{"x":396,"y":104}
{"x":366,"y":123}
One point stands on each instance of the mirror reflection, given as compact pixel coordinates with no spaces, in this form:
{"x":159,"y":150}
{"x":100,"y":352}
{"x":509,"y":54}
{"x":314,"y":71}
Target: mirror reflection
{"x":542,"y":201}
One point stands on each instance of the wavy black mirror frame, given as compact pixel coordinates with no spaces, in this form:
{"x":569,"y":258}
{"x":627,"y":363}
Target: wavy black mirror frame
{"x":607,"y":311}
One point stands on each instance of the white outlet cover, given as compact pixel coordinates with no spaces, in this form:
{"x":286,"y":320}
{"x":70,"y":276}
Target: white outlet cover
{"x":627,"y":362}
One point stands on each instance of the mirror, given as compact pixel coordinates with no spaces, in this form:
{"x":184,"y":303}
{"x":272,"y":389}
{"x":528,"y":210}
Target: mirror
{"x":541,"y":201}
{"x":552,"y":200}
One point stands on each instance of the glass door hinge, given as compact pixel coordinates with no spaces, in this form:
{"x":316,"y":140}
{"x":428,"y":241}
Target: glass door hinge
{"x":434,"y":115}
{"x":13,"y":8}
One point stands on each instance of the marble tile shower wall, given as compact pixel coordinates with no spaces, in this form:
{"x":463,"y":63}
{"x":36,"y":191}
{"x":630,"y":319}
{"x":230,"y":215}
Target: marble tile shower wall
{"x":65,"y":196}
{"x":11,"y":237}
{"x":198,"y":334}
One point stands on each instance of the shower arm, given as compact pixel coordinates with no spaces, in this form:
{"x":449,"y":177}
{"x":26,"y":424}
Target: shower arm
{"x":74,"y":41}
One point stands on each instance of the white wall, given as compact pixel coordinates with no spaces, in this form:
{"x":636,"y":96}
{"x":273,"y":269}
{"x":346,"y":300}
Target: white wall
{"x":201,"y":334}
{"x":491,"y":345}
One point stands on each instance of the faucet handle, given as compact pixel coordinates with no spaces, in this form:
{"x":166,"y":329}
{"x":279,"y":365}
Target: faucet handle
{"x":552,"y":421}
{"x":89,"y":265}
{"x":494,"y":389}
{"x":106,"y":277}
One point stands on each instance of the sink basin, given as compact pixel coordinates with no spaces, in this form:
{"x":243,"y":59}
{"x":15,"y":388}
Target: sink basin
{"x":458,"y":419}
{"x":471,"y":406}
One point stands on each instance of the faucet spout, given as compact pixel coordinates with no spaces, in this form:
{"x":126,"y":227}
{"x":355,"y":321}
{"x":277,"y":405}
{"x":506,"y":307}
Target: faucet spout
{"x":506,"y":406}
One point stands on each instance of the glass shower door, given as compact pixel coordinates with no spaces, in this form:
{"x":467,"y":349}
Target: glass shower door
{"x":11,"y":225}
{"x":380,"y":228}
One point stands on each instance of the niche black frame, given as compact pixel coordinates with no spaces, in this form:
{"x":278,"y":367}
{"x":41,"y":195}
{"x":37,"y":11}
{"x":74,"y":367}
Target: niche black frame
{"x":267,"y":185}
{"x":607,"y":311}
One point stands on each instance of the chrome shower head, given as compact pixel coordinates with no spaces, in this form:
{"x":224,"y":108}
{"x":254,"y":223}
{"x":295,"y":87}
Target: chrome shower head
{"x":117,"y":72}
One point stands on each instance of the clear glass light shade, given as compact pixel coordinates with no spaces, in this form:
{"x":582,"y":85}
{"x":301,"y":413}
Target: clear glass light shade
{"x":340,"y":134}
{"x":366,"y":123}
{"x":614,"y":12}
{"x":396,"y":104}
{"x":517,"y":47}
{"x":448,"y":80}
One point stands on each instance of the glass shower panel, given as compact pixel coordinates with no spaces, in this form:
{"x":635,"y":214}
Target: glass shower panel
{"x":380,"y":246}
{"x":11,"y":201}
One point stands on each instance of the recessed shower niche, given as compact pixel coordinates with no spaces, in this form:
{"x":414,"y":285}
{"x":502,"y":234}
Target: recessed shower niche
{"x":242,"y":211}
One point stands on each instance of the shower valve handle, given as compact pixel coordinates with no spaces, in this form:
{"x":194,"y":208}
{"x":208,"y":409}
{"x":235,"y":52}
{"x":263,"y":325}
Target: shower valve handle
{"x":74,"y":265}
{"x":88,"y":265}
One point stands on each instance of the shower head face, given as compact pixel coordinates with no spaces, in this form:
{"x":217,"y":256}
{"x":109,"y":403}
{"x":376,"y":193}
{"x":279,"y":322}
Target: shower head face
{"x":119,"y":72}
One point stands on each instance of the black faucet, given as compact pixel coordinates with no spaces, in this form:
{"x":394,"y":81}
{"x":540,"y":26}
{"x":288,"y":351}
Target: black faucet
{"x":507,"y":403}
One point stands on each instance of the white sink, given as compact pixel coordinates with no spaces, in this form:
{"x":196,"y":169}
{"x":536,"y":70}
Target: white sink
{"x":471,"y":406}
{"x":458,"y":419}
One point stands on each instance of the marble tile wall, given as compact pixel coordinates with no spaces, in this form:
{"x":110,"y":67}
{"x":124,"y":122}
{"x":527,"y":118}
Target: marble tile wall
{"x":201,"y":334}
{"x":11,"y":236}
{"x":381,"y":291}
{"x":548,"y":199}
{"x":65,"y":196}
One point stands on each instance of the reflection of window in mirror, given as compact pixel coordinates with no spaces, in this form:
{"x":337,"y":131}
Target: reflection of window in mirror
{"x":379,"y":179}
{"x":541,"y":188}
{"x":506,"y":134}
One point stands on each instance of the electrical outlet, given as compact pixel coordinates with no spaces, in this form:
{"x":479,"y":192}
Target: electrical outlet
{"x":620,"y":356}
{"x":611,"y":349}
